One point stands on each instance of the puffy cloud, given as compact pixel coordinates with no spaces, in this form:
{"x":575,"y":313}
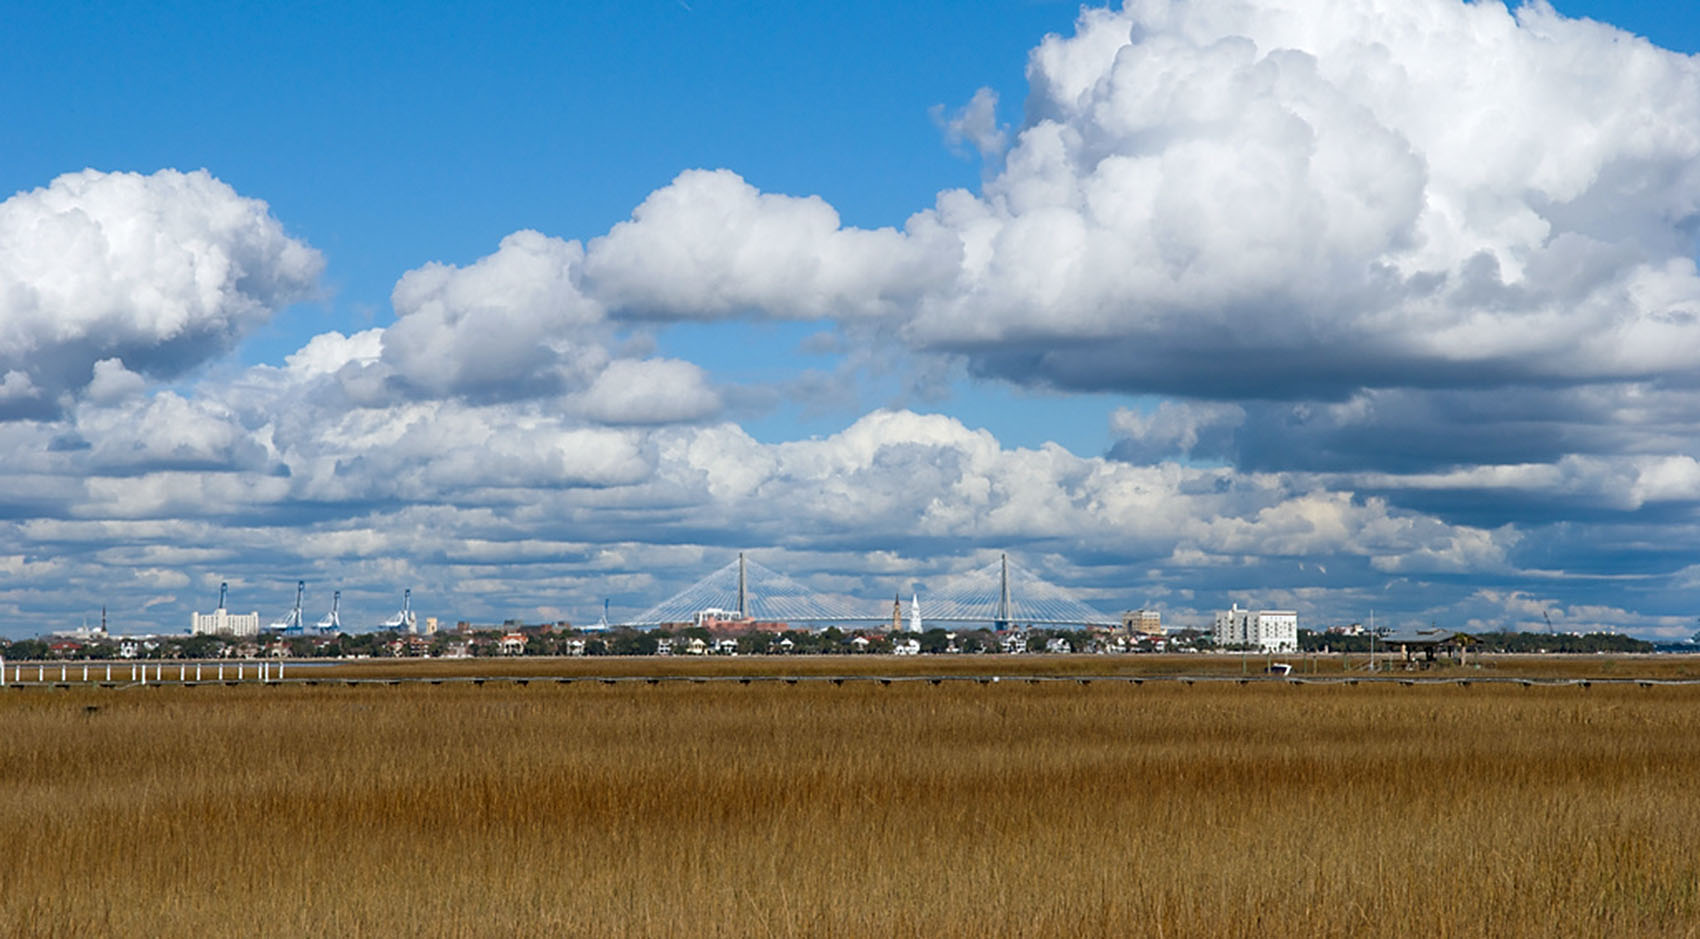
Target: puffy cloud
{"x":168,"y":432}
{"x":1260,"y":198}
{"x":710,"y":245}
{"x":513,"y":324}
{"x":896,"y":477}
{"x":113,"y":382}
{"x":1473,"y":456}
{"x":158,"y":273}
{"x":1528,"y":612}
{"x":1175,"y":428}
{"x":649,"y":391}
{"x":328,"y":353}
{"x":1274,"y":199}
{"x":975,"y":123}
{"x":489,"y":504}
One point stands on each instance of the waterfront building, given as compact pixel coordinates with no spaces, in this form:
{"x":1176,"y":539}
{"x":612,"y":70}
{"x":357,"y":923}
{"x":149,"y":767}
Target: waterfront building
{"x":1142,"y":622}
{"x":1266,"y":630}
{"x":222,"y":622}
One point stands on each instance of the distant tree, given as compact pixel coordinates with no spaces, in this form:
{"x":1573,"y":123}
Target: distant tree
{"x":1561,"y":642}
{"x":632,"y":642}
{"x":200,"y":647}
{"x":754,"y":643}
{"x":27,"y":649}
{"x":934,"y":641}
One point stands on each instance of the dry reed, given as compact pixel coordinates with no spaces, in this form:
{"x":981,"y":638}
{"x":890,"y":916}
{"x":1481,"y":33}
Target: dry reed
{"x":909,"y":810}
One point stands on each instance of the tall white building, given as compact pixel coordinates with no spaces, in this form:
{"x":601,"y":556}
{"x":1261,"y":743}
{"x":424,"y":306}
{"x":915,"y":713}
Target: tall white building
{"x":223,"y":622}
{"x":1268,"y":630}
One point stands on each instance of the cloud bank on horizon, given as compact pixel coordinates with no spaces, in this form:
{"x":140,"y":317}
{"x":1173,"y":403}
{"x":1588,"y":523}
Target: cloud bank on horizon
{"x":1399,"y":301}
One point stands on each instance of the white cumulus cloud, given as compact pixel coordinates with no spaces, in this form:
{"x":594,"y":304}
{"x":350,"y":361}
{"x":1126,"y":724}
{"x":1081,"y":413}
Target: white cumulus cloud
{"x":161,"y":272}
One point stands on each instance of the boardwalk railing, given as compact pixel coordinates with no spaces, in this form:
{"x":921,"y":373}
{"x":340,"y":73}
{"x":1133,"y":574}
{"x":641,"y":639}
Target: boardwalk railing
{"x":109,"y":674}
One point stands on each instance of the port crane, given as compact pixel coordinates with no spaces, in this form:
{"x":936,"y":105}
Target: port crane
{"x":404,"y":619}
{"x":332,"y":622}
{"x":293,"y":620}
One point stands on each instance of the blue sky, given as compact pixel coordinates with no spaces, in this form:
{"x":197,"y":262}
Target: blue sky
{"x":385,"y":142}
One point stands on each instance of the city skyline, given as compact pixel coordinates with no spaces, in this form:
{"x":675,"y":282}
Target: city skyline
{"x":1325,"y":307}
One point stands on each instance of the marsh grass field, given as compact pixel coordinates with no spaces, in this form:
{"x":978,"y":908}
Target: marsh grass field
{"x":1563,"y":667}
{"x":962,"y":809}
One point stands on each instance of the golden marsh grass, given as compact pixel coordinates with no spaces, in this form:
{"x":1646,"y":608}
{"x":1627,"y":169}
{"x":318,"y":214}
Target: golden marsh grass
{"x":861,"y":810}
{"x":1487,"y":666}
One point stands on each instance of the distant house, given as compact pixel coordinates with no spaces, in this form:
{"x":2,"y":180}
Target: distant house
{"x":459,"y":649}
{"x":860,"y":644}
{"x":906,"y":647}
{"x":664,"y":646}
{"x":64,"y":648}
{"x":696,"y":646}
{"x":1057,"y":645}
{"x":513,"y":643}
{"x":413,"y":646}
{"x":726,"y":645}
{"x":574,"y":647}
{"x":785,"y":644}
{"x":1013,"y":643}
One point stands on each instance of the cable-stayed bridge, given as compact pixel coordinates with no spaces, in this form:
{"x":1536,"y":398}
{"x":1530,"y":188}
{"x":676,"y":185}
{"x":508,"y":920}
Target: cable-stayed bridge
{"x":1001,"y":594}
{"x":1005,"y":594}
